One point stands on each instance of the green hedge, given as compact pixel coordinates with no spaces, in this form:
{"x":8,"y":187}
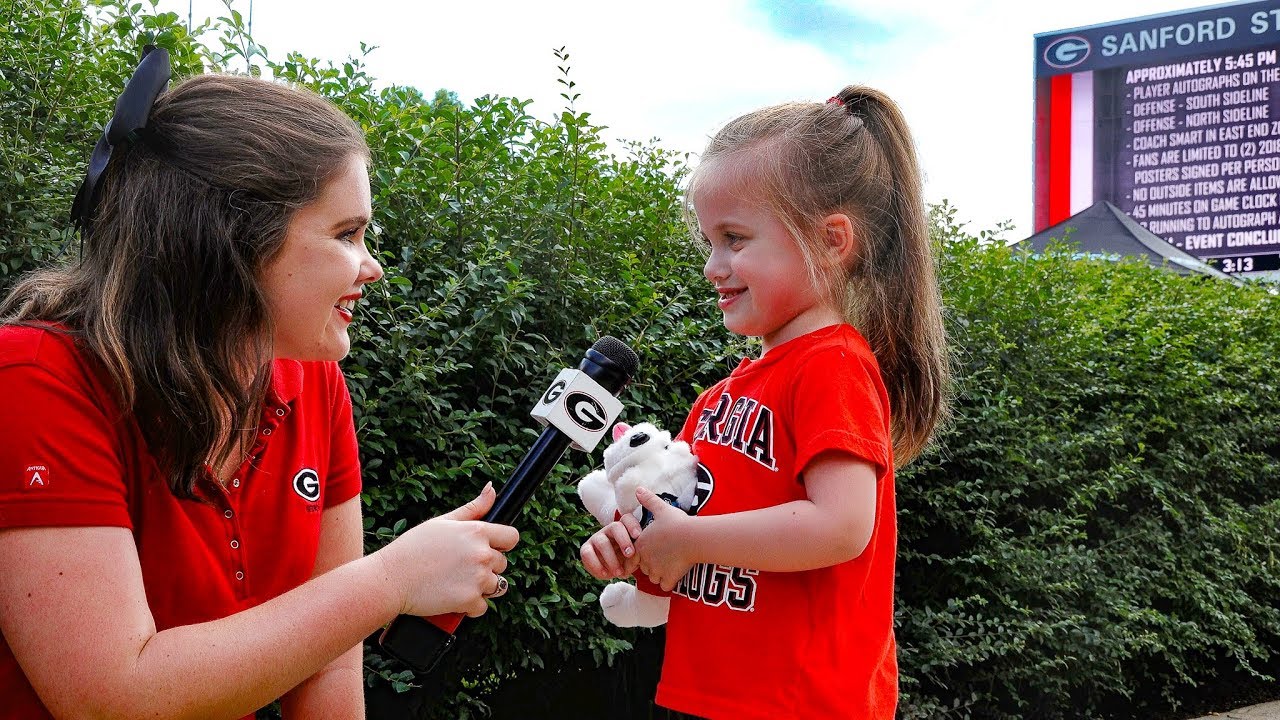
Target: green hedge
{"x":1093,"y":535}
{"x":1098,"y":529}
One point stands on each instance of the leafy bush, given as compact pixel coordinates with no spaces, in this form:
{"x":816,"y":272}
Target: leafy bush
{"x":62,"y":65}
{"x":511,"y":244}
{"x":1093,"y":535}
{"x":1096,"y":532}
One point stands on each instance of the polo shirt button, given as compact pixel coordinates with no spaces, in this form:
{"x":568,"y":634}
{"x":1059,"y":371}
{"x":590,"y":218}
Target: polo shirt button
{"x":266,"y":431}
{"x":239,"y":575}
{"x":235,"y":482}
{"x":235,"y":544}
{"x":280,"y":412}
{"x":227,"y":514}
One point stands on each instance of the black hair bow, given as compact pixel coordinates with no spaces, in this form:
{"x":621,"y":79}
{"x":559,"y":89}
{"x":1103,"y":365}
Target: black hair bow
{"x":131,"y":113}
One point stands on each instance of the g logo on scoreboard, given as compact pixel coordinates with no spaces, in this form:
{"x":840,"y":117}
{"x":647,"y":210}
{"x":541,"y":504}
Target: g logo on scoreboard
{"x":1067,"y":52}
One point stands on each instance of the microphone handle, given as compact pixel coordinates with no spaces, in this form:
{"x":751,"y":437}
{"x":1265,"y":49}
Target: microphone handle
{"x":420,"y":642}
{"x":530,"y":473}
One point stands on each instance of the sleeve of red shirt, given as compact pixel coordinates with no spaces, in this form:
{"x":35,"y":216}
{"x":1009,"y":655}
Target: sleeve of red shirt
{"x":343,"y":482}
{"x":60,"y":461}
{"x":841,"y":405}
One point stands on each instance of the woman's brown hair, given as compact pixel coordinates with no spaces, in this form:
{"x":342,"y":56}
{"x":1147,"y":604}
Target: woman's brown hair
{"x":854,"y":155}
{"x":166,"y":294}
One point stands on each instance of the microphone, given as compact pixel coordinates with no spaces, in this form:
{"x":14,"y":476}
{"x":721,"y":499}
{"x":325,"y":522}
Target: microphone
{"x":576,"y":410}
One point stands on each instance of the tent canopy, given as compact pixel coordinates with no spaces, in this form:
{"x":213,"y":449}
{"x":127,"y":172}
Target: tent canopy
{"x":1102,"y":229}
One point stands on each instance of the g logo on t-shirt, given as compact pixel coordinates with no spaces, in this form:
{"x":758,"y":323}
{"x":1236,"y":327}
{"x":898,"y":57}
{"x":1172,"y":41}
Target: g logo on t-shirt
{"x":307,"y":484}
{"x":706,"y":484}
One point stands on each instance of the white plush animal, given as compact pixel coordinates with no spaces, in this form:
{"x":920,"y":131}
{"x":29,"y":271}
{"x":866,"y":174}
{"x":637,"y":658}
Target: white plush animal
{"x":640,"y":456}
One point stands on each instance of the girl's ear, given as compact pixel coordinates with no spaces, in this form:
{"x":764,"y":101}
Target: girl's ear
{"x":837,"y":234}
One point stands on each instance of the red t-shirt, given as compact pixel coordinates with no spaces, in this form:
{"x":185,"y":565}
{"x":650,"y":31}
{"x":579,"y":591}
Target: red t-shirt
{"x":742,"y":643}
{"x":70,"y":458}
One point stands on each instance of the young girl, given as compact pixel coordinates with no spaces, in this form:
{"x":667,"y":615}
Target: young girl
{"x":782,"y":582}
{"x":180,"y":531}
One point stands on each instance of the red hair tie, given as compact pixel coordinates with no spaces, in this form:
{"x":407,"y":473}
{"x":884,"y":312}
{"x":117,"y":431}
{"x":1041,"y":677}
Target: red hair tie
{"x":836,"y":100}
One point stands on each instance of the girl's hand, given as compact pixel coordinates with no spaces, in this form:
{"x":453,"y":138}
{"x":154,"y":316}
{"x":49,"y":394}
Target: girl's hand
{"x":609,"y":553}
{"x":663,"y":546}
{"x":451,"y":562}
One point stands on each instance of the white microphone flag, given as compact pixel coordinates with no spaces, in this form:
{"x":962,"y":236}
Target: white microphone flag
{"x":579,"y":407}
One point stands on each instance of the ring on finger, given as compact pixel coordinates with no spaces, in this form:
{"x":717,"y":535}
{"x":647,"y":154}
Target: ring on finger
{"x":499,"y":590}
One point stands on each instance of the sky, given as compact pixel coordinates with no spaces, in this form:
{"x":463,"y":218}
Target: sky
{"x":674,"y":71}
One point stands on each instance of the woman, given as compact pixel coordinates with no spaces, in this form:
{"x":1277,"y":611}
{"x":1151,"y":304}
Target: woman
{"x":180,"y":529}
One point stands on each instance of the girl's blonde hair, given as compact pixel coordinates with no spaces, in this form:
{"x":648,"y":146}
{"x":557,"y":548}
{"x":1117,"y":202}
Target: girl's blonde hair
{"x":853,"y":155}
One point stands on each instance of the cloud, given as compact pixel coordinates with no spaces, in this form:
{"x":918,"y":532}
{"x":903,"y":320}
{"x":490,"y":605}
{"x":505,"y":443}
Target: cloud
{"x":829,"y":28}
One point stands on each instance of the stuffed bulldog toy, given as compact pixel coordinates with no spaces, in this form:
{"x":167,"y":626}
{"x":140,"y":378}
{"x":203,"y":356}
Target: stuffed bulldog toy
{"x":640,"y":456}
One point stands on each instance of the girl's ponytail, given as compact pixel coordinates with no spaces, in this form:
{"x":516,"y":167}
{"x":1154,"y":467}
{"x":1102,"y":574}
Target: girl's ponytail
{"x":892,"y":296}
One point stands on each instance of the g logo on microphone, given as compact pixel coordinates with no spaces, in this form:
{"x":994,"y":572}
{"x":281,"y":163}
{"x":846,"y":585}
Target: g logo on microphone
{"x":307,"y":484}
{"x":584,"y":410}
{"x":554,"y":392}
{"x":577,"y":406}
{"x":1067,"y":52}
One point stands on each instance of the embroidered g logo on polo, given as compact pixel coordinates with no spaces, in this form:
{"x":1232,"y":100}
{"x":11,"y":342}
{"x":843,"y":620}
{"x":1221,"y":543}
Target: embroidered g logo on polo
{"x":307,"y":484}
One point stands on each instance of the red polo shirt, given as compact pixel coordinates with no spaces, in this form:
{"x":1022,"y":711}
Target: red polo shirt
{"x":69,"y":457}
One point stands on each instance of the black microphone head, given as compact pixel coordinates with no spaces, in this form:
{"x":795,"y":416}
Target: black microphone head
{"x":617,"y":351}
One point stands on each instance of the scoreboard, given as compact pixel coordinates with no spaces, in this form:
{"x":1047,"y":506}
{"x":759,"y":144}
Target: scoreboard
{"x":1174,"y":119}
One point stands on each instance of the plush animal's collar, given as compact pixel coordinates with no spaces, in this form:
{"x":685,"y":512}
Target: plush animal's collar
{"x":647,"y":516}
